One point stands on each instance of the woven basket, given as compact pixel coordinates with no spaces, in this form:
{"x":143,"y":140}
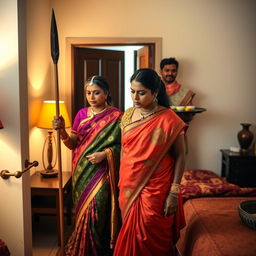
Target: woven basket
{"x":247,"y":213}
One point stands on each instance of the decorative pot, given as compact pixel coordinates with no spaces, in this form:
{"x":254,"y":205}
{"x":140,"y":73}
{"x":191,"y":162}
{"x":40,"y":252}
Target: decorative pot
{"x":245,"y":137}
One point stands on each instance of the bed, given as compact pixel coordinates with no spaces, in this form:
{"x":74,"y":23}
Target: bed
{"x":213,"y":226}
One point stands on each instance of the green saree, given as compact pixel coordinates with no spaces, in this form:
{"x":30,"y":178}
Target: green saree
{"x":95,"y":185}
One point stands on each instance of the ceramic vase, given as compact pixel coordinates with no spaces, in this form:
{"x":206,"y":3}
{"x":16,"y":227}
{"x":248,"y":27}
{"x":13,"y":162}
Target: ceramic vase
{"x":245,"y":137}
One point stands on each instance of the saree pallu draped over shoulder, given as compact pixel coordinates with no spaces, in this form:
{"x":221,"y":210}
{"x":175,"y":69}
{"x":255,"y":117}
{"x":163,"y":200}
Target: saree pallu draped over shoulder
{"x":146,"y":173}
{"x":95,"y":185}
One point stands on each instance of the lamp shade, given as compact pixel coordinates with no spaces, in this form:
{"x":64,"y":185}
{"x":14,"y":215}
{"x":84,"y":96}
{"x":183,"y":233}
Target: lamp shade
{"x":48,"y":111}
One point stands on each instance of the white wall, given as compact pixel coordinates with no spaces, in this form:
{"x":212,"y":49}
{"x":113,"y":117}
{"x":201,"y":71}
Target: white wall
{"x":214,"y":42}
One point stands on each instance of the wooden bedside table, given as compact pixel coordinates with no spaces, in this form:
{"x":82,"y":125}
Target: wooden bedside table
{"x":45,"y":196}
{"x":239,"y":168}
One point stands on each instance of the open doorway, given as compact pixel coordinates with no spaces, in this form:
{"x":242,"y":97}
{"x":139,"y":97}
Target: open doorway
{"x":135,"y":56}
{"x":114,"y":59}
{"x":116,"y":63}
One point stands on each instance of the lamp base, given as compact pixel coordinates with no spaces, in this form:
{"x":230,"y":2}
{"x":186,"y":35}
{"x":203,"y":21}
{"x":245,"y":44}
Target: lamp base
{"x":49,"y":173}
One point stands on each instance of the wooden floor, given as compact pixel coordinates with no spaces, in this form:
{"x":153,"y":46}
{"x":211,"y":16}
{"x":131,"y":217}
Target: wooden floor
{"x":45,"y":239}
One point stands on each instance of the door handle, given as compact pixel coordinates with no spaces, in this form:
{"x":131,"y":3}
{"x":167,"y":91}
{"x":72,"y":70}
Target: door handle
{"x":5,"y":174}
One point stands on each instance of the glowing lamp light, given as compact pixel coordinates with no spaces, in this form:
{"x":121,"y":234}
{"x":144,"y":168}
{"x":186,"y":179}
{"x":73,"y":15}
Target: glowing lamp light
{"x":48,"y":111}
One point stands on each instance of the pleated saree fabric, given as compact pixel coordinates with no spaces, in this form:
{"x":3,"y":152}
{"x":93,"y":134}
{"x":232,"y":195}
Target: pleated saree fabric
{"x":95,"y":185}
{"x":146,"y":174}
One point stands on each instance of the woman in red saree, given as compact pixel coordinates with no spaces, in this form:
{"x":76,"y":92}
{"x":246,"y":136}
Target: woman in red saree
{"x":95,"y":139}
{"x":151,"y":168}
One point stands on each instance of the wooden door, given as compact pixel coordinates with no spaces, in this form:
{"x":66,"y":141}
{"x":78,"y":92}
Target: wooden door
{"x":107,"y":63}
{"x":143,"y":57}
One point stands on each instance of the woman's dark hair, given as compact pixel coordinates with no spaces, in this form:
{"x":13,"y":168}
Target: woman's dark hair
{"x":102,"y":83}
{"x":151,"y":80}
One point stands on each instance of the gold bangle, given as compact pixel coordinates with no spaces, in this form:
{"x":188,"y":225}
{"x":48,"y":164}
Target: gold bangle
{"x":65,"y":140}
{"x":175,"y":188}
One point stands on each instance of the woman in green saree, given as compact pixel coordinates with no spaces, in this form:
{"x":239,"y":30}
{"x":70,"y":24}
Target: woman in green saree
{"x":95,"y":139}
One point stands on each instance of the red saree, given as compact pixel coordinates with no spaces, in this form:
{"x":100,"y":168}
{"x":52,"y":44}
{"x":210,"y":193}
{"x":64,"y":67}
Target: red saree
{"x":146,"y":173}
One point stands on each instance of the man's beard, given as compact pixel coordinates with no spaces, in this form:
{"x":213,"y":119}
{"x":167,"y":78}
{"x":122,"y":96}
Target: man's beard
{"x":170,"y":79}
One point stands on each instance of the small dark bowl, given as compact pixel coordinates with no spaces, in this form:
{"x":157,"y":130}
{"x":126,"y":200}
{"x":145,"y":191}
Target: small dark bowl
{"x":247,"y":213}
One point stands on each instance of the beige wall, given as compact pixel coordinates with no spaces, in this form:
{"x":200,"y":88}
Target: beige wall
{"x":40,"y":73}
{"x":39,"y":70}
{"x":213,"y":40}
{"x":15,"y":215}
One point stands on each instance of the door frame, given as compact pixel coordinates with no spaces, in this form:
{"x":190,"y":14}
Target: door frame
{"x":100,"y":41}
{"x":81,"y":54}
{"x":71,"y":42}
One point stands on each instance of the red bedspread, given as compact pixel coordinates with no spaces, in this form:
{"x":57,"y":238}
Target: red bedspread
{"x":214,"y":228}
{"x":201,"y":183}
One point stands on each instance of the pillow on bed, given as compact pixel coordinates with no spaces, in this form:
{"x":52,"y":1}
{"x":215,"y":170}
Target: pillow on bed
{"x":200,"y":183}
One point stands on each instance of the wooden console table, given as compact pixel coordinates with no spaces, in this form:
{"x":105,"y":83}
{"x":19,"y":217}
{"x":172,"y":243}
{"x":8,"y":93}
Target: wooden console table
{"x":45,"y":196}
{"x":239,"y":168}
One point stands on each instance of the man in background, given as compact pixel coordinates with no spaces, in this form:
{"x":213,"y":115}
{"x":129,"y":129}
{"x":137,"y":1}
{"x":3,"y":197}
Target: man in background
{"x":177,"y":94}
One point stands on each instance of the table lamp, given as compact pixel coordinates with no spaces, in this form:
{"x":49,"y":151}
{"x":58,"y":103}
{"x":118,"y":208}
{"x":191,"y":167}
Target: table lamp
{"x":48,"y":111}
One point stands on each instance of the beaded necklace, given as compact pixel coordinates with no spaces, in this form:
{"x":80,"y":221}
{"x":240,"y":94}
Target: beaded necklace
{"x":146,"y":114}
{"x":96,"y":113}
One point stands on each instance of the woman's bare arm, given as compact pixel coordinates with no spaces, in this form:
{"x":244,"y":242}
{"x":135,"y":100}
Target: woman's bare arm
{"x":178,"y":150}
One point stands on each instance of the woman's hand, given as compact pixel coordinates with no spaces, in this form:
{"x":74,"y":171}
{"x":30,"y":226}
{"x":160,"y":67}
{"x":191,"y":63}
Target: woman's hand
{"x":97,"y":157}
{"x":171,"y":205}
{"x":58,"y":123}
